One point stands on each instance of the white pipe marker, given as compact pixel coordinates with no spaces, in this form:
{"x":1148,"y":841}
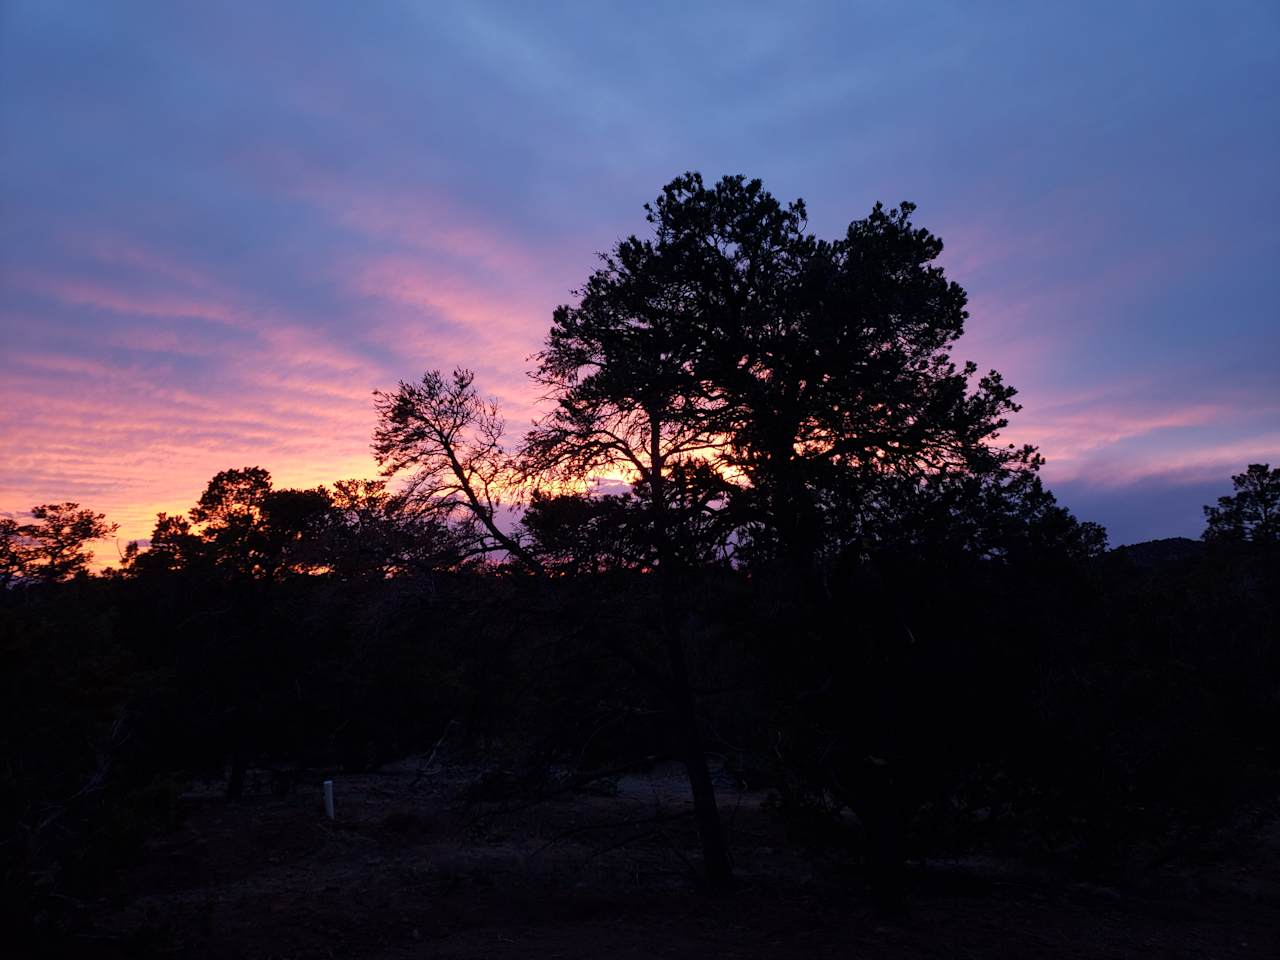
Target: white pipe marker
{"x":328,"y":799}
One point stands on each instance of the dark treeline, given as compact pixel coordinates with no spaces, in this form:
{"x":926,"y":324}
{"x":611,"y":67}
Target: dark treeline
{"x":823,"y":570}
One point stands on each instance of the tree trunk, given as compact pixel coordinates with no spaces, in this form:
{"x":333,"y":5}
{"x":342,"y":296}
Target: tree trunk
{"x":706,"y":812}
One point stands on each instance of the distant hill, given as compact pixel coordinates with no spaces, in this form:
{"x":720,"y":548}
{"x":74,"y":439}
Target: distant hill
{"x":1154,"y":553}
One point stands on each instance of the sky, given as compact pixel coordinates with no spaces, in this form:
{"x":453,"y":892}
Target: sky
{"x":223,"y":225}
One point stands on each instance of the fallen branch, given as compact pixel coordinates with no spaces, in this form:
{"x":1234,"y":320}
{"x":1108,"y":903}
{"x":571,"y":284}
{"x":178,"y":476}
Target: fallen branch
{"x":425,"y":765}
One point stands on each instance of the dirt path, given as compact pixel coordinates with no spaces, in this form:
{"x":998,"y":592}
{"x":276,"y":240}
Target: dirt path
{"x":404,"y":872}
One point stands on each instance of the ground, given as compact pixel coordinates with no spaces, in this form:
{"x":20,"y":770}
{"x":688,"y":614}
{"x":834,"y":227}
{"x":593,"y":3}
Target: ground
{"x":409,"y":870}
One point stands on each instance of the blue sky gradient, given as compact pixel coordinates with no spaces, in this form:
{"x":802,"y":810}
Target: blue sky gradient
{"x":223,"y":225}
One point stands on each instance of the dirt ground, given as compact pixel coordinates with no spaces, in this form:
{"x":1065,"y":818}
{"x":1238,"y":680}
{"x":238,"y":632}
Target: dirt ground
{"x":406,"y":870}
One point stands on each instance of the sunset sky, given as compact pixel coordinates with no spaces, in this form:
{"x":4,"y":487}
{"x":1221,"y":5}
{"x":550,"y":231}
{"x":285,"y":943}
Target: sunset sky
{"x":222,"y":225}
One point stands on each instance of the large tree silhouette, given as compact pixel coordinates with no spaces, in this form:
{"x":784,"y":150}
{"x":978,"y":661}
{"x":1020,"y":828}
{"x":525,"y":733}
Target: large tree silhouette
{"x":622,"y":366}
{"x":809,"y":372}
{"x":829,"y":360}
{"x":805,"y":384}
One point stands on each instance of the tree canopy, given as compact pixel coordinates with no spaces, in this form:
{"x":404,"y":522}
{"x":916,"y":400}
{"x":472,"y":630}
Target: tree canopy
{"x":1252,"y":513}
{"x":801,"y":386}
{"x":54,"y":546}
{"x":244,"y":527}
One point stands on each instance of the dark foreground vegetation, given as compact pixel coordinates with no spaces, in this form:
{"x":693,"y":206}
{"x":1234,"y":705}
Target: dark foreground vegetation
{"x":834,"y":672}
{"x":1098,"y":726}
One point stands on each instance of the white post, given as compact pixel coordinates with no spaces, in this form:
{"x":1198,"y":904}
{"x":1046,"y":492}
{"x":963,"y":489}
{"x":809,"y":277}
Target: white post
{"x":328,"y":799}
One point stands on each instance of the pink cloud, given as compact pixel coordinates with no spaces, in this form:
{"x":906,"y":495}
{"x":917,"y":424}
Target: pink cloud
{"x":1070,"y":434}
{"x":77,"y":291}
{"x":118,"y":249}
{"x":133,"y":436}
{"x":1115,"y":436}
{"x":1206,"y":462}
{"x":409,"y":217}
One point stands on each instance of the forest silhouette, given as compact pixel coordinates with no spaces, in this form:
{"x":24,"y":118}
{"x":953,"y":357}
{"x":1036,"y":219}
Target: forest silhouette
{"x":814,"y":567}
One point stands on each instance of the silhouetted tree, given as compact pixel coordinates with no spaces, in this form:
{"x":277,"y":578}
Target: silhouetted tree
{"x":622,"y":366}
{"x":10,"y":552}
{"x":797,"y":394}
{"x":235,"y":556}
{"x":243,"y":527}
{"x":54,"y":546}
{"x":1002,"y":514}
{"x":295,"y":527}
{"x":230,"y":522}
{"x":578,"y":533}
{"x":449,"y":439}
{"x":375,"y":534}
{"x":574,"y":534}
{"x":828,"y":359}
{"x":173,"y":545}
{"x":1252,"y":513}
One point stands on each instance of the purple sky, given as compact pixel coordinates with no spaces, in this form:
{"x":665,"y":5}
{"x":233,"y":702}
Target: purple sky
{"x":222,"y":225}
